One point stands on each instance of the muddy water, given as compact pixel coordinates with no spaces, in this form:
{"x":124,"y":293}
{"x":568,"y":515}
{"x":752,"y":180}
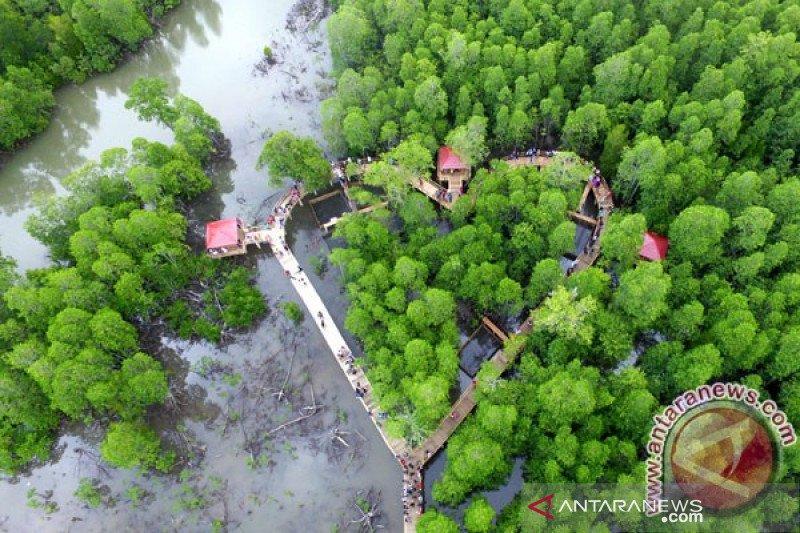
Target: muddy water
{"x":225,"y":402}
{"x":498,"y":498}
{"x":207,"y":50}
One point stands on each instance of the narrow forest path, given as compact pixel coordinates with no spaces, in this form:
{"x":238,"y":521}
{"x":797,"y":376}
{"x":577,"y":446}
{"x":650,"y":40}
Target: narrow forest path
{"x":413,"y":460}
{"x":466,"y":402}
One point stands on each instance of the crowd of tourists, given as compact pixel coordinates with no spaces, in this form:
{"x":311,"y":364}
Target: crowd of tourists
{"x":532,"y":152}
{"x":282,"y":211}
{"x":413,"y":487}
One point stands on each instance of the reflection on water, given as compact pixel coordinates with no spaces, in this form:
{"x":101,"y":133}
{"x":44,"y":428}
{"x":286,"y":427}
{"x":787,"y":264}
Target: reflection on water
{"x":207,"y":50}
{"x":480,"y":348}
{"x":498,"y":498}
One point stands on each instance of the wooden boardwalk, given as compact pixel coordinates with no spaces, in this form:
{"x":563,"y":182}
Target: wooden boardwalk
{"x":318,"y":312}
{"x":527,"y":161}
{"x":466,"y":402}
{"x":494,"y":328}
{"x":435,"y":192}
{"x":605,"y":204}
{"x":426,"y":186}
{"x":326,"y":227}
{"x":462,"y":407}
{"x":275,"y":237}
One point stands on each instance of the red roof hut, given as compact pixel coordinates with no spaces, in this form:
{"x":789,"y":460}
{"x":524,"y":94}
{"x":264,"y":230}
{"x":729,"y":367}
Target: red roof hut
{"x":225,"y":237}
{"x":654,"y":247}
{"x":451,"y":171}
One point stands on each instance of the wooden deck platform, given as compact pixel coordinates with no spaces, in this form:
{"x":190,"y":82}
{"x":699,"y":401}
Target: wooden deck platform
{"x":494,"y":328}
{"x":527,"y":161}
{"x":230,"y":251}
{"x":582,"y":219}
{"x":435,"y":192}
{"x":275,"y":238}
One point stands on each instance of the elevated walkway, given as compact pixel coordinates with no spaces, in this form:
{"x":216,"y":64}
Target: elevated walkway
{"x":466,"y":402}
{"x":275,"y":237}
{"x":329,"y":225}
{"x":527,"y":161}
{"x":318,"y":312}
{"x":426,"y":186}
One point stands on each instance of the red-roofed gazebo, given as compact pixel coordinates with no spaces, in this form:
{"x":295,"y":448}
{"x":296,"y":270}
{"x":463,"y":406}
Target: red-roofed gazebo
{"x":451,"y":170}
{"x":654,"y":247}
{"x":225,"y":237}
{"x":449,"y":160}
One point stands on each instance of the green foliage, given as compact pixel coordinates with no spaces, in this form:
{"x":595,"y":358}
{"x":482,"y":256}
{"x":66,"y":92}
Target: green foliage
{"x":469,"y":140}
{"x":132,"y":444}
{"x":299,"y":158}
{"x":696,"y":234}
{"x":565,"y":315}
{"x":27,"y":422}
{"x":292,"y":311}
{"x":319,"y":264}
{"x":352,"y":36}
{"x":88,"y":493}
{"x":46,"y":44}
{"x":68,"y":344}
{"x":241,"y":302}
{"x":41,"y":501}
{"x":585,"y":127}
{"x":25,"y":104}
{"x":135,"y":494}
{"x":434,"y":522}
{"x":195,"y":130}
{"x":148,"y":96}
{"x":623,"y":239}
{"x":642,"y":294}
{"x":545,"y":277}
{"x":417,"y":211}
{"x":479,"y":516}
{"x":692,"y":114}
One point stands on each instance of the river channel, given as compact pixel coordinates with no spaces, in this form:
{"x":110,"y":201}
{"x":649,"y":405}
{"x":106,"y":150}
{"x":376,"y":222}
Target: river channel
{"x":305,"y":477}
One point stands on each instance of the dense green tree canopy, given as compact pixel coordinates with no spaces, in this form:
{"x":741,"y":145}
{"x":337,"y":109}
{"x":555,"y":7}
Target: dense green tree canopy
{"x":45,"y":43}
{"x":68,"y":343}
{"x":691,"y":112}
{"x":285,"y":155}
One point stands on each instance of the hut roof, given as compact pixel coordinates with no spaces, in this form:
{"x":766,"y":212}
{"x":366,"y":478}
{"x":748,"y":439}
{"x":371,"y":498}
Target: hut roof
{"x":654,"y":247}
{"x":449,"y":160}
{"x":222,"y":233}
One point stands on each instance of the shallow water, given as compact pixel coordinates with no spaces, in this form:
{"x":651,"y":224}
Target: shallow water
{"x":479,"y":349}
{"x":497,"y":498}
{"x":207,"y":49}
{"x":330,"y":208}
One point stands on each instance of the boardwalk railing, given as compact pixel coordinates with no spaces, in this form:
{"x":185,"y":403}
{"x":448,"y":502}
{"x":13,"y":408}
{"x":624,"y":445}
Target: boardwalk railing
{"x":466,"y":402}
{"x":426,"y":186}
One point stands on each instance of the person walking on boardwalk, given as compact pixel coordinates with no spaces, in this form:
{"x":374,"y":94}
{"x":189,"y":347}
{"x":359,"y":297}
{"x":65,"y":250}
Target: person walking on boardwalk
{"x":321,"y":319}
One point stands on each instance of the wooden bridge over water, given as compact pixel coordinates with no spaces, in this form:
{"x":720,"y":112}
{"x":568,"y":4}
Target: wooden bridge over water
{"x":586,"y":258}
{"x":275,"y":237}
